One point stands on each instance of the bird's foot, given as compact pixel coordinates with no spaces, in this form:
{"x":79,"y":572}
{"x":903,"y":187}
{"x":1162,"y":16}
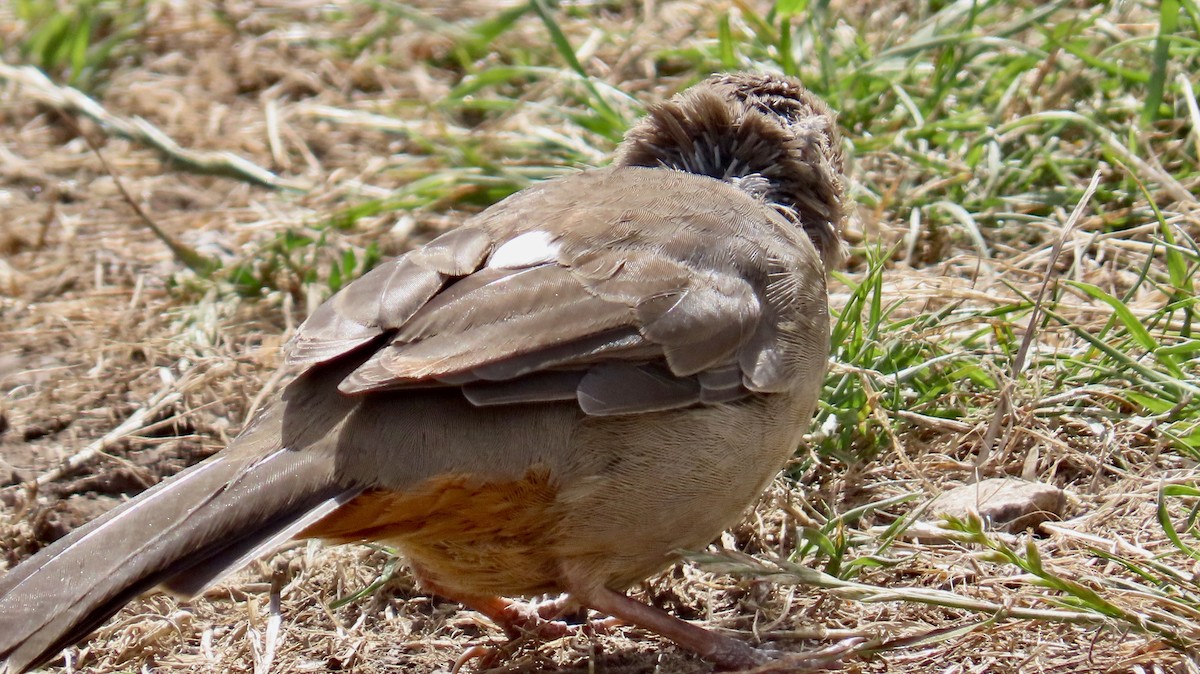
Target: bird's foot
{"x":539,"y":620}
{"x":522,"y":621}
{"x":728,"y":653}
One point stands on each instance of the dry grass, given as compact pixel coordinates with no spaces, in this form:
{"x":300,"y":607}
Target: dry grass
{"x":398,"y":123}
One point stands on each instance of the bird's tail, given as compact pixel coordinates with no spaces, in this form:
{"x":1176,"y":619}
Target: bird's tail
{"x":184,"y":534}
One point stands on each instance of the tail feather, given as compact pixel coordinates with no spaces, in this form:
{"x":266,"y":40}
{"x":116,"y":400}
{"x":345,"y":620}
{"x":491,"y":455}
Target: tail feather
{"x":202,"y":575}
{"x":209,"y":520}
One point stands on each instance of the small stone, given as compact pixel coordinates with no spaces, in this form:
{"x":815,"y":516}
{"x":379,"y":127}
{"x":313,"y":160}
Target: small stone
{"x":1004,"y":503}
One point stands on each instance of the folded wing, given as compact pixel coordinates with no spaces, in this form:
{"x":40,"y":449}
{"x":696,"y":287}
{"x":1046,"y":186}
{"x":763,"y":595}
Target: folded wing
{"x":627,"y":305}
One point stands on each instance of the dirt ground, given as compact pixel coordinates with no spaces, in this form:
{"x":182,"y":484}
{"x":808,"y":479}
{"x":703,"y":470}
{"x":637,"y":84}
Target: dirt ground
{"x":118,"y":367}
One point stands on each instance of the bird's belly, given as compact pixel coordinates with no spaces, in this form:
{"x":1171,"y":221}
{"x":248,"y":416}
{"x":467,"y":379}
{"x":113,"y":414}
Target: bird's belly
{"x":690,"y":475}
{"x":614,"y":508}
{"x":463,"y":534}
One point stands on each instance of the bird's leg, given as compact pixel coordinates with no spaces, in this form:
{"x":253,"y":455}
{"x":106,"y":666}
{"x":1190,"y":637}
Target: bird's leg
{"x":518,"y":619}
{"x":554,"y":609}
{"x":567,"y":609}
{"x":726,"y":652}
{"x":540,"y":620}
{"x":523,"y":618}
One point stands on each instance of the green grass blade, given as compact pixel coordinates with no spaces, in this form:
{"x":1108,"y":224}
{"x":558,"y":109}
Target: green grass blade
{"x":1168,"y":21}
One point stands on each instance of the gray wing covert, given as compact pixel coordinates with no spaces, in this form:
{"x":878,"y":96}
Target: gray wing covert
{"x":621,"y":305}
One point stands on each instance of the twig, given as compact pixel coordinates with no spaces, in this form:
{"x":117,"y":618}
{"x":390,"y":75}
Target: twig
{"x":165,"y":397}
{"x":263,"y":393}
{"x":783,"y":572}
{"x":264,"y":660}
{"x":70,"y":100}
{"x":1004,"y":403}
{"x":184,"y":253}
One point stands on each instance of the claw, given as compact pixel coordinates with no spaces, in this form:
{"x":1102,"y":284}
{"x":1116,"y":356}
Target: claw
{"x":485,"y":654}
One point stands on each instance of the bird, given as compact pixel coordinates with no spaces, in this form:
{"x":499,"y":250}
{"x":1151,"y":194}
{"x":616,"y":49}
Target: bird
{"x":559,"y":396}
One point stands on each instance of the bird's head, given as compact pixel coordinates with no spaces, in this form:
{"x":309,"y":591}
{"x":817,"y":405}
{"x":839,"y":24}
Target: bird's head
{"x":762,"y":132}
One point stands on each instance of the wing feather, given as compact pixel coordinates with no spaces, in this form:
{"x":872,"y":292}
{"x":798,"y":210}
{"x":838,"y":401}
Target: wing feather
{"x":385,"y":297}
{"x":631,"y":304}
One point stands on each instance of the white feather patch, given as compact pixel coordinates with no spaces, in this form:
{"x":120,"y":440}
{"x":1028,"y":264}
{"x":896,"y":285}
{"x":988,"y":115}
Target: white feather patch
{"x":527,"y":250}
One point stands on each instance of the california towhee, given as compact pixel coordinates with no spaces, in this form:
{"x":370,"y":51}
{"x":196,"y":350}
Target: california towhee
{"x":582,"y":380}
